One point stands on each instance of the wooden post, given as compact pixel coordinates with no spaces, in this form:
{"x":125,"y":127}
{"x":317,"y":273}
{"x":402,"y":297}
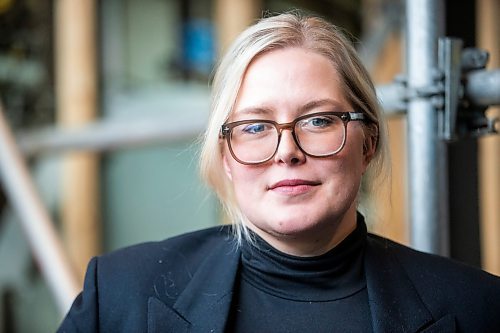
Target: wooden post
{"x":76,"y":90}
{"x":488,"y":32}
{"x":232,"y":17}
{"x":389,"y":214}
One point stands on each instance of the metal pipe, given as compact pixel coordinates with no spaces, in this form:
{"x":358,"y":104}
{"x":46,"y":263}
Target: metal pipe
{"x":35,"y":221}
{"x":482,"y":87}
{"x":392,"y":97}
{"x":424,"y":20}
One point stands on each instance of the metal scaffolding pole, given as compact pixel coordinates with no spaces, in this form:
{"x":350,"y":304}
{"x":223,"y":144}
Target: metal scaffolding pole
{"x":424,"y":19}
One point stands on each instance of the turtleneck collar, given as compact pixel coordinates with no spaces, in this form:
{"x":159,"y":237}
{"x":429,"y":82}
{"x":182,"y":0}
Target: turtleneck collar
{"x":334,"y":275}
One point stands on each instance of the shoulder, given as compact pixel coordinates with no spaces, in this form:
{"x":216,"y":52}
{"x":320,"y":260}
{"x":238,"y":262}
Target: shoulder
{"x":185,"y":250}
{"x":119,"y":284}
{"x":428,"y":265}
{"x":443,"y":283}
{"x":127,"y":278}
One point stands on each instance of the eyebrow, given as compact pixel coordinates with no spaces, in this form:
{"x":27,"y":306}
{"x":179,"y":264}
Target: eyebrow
{"x":253,"y":110}
{"x":331,"y":103}
{"x":262,"y":110}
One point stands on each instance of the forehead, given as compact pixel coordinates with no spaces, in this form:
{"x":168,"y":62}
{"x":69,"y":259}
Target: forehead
{"x":291,"y":79}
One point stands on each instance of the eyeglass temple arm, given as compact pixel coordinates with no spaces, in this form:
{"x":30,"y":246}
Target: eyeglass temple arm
{"x":357,"y":116}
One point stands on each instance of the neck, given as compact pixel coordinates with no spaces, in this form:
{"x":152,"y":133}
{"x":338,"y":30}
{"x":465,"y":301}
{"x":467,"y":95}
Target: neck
{"x":312,"y":242}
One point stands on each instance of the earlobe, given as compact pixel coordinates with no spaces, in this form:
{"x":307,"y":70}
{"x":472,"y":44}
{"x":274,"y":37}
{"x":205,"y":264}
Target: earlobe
{"x":369,"y":147}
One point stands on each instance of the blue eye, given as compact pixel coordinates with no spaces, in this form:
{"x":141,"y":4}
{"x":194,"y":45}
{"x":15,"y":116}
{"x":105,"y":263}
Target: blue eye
{"x":319,"y":121}
{"x":254,"y":128}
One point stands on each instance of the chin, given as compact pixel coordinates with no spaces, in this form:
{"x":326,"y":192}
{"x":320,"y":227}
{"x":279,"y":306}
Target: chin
{"x":293,"y":228}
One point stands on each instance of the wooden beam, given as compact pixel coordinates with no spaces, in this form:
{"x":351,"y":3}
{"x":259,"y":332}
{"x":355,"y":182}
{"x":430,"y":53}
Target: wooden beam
{"x":389,"y":216}
{"x":76,"y":91}
{"x":232,"y":17}
{"x":488,"y":32}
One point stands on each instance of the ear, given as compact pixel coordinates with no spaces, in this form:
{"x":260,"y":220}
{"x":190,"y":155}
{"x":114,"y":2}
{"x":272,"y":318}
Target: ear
{"x":370,"y":145}
{"x":227,"y":169}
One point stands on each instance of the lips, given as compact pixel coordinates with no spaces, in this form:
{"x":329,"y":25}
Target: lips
{"x":293,"y":186}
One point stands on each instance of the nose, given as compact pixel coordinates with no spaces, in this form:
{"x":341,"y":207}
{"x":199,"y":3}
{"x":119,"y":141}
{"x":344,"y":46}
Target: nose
{"x":288,"y":151}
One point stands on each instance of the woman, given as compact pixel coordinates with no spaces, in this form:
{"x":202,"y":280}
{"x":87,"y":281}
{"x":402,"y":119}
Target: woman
{"x":294,"y":128}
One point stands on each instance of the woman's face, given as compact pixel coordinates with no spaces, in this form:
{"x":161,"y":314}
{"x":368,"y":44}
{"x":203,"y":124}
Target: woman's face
{"x":301,"y":205}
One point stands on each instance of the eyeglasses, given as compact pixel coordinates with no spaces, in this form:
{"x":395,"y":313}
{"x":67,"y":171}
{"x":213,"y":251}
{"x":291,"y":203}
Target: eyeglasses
{"x":256,"y":141}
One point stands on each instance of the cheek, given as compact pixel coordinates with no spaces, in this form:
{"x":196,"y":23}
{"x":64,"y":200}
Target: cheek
{"x":242,"y":176}
{"x":354,"y":152}
{"x":342,"y":173}
{"x":249,"y":188}
{"x":343,"y":184}
{"x":346,"y":170}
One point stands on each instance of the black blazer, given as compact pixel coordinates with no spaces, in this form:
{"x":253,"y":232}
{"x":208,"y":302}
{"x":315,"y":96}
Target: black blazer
{"x":185,"y":284}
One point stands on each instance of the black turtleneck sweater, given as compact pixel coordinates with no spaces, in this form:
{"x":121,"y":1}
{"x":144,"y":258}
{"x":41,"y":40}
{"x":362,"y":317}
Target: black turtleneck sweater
{"x":278,"y":292}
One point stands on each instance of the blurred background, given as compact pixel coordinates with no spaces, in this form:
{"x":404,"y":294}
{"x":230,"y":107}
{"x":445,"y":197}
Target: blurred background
{"x":107,"y":99}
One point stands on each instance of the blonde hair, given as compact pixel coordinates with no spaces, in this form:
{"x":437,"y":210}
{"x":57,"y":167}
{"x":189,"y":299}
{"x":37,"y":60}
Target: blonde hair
{"x":276,"y":32}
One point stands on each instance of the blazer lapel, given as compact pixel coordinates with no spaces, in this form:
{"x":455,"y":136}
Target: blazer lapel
{"x":394,"y":302}
{"x":161,"y":318}
{"x":204,"y":304}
